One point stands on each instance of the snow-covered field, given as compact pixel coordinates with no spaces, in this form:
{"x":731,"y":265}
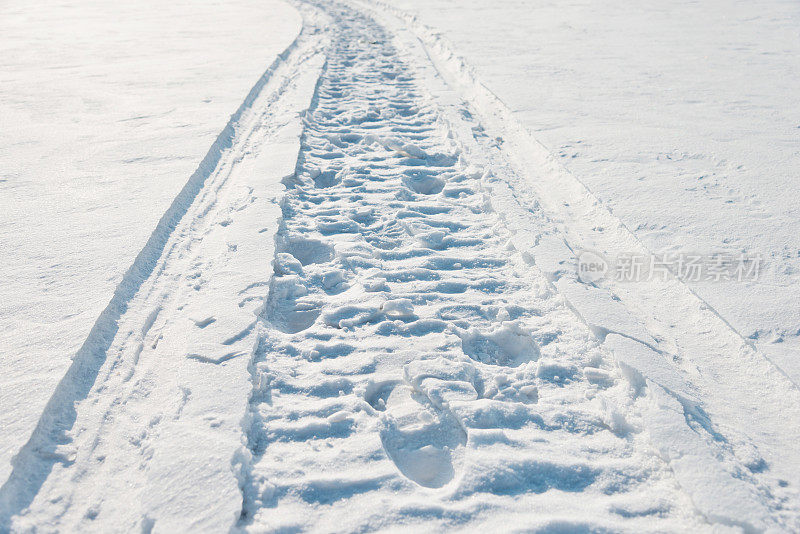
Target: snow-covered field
{"x":314,"y":267}
{"x":107,"y":110}
{"x":680,"y":116}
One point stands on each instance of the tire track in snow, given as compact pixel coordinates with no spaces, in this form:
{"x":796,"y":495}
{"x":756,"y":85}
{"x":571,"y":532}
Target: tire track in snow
{"x":413,"y":368}
{"x":94,"y":399}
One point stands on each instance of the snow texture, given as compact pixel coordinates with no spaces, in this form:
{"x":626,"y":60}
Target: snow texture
{"x":109,"y":112}
{"x":362,"y":311}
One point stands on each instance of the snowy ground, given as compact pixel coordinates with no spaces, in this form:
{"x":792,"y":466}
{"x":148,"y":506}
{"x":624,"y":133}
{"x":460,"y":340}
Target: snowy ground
{"x":107,"y":110}
{"x":679,"y":116}
{"x":363,"y":311}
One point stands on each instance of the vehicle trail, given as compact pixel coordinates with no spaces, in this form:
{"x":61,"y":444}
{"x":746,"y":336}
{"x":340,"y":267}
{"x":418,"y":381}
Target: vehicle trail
{"x":682,"y":344}
{"x":409,"y":349}
{"x":413,"y":365}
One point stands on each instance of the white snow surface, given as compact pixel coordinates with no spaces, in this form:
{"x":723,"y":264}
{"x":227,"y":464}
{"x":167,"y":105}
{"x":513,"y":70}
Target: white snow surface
{"x":679,"y":116}
{"x":107,"y":110}
{"x":361,"y":312}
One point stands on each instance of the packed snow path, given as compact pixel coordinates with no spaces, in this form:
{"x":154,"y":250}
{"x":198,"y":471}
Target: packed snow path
{"x":395,"y":357}
{"x":414,"y":369}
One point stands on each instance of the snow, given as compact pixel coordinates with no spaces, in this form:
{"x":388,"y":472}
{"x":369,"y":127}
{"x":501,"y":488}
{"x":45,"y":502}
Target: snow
{"x":740,"y":389}
{"x":678,"y":117}
{"x":357,"y":305}
{"x":165,"y":399}
{"x":108,"y":109}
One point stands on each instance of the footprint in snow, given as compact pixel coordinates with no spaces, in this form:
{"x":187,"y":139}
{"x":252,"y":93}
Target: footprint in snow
{"x":291,"y":309}
{"x":509,"y":344}
{"x":424,"y":441}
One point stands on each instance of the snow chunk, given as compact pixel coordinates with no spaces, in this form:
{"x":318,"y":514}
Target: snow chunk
{"x":286,"y":264}
{"x":398,"y":308}
{"x":339,"y":416}
{"x":433,"y":239}
{"x":414,"y":151}
{"x":332,"y":279}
